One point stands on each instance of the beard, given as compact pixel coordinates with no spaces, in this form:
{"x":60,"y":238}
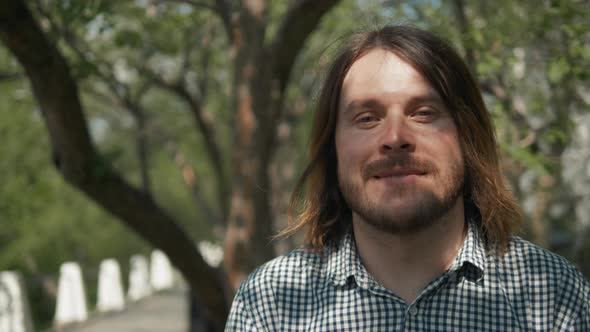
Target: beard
{"x":422,"y":207}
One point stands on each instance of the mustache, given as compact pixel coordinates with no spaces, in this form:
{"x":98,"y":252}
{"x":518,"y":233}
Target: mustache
{"x":398,"y":162}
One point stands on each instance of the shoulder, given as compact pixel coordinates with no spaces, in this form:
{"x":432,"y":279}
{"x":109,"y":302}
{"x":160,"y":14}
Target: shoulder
{"x":289,"y":269}
{"x":536,"y":262}
{"x":284,"y":284}
{"x":552,"y":284}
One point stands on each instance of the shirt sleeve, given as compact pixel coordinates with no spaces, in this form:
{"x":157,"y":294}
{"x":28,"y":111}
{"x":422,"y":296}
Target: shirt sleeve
{"x":576,"y":305}
{"x":240,"y":318}
{"x":583,"y":322}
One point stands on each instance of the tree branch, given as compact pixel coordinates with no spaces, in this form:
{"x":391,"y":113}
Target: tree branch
{"x":194,"y":3}
{"x":221,"y":8}
{"x":121,"y":92}
{"x":10,"y":76}
{"x":142,"y":151}
{"x":76,"y":158}
{"x":224,"y":10}
{"x":185,"y":61}
{"x":301,"y":19}
{"x":190,"y":180}
{"x":464,"y":28}
{"x":81,"y":50}
{"x":207,"y":132}
{"x":131,"y":104}
{"x":141,"y":145}
{"x":505,"y":98}
{"x":299,"y":22}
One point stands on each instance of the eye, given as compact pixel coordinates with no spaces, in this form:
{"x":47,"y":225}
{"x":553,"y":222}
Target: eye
{"x":425,"y":114}
{"x":366,"y":120}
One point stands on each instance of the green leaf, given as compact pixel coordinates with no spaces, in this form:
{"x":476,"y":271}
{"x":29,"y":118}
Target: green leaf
{"x":558,"y":69}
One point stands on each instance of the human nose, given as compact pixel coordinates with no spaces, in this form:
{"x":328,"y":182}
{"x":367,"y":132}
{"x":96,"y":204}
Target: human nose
{"x":396,"y":136}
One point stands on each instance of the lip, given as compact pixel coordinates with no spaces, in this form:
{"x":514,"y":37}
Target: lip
{"x":398,"y":179}
{"x":398,"y":173}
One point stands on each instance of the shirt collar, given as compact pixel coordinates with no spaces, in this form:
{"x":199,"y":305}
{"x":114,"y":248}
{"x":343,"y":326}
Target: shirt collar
{"x":472,"y":255}
{"x":344,"y":262}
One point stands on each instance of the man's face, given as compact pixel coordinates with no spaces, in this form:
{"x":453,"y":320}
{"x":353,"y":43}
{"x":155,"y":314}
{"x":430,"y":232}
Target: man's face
{"x":400,"y":165}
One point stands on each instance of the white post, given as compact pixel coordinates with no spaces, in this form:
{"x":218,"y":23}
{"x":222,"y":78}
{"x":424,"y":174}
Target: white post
{"x":139,"y":278}
{"x":15,"y":315}
{"x":71,"y":298}
{"x":212,"y":253}
{"x":161,"y":271}
{"x":110,"y":289}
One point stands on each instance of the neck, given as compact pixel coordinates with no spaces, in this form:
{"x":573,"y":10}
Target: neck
{"x":407,"y":263}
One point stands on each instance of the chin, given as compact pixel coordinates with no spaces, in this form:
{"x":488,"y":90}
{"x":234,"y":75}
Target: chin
{"x":406,"y":200}
{"x":400,"y":223}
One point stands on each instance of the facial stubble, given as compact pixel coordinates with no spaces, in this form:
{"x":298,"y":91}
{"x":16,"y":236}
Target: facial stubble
{"x":424,"y":210}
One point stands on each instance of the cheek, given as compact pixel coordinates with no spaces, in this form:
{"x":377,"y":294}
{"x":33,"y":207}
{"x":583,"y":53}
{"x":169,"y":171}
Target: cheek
{"x":343,"y":158}
{"x":350,"y":153}
{"x":452,"y":147}
{"x":342,"y":148}
{"x":456,"y":146}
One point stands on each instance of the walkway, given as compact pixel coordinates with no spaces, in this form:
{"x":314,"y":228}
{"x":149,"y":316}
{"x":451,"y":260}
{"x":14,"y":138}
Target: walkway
{"x":161,"y":312}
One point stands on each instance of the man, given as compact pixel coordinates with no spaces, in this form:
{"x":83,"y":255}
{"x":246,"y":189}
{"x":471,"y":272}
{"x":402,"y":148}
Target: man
{"x":408,"y":223}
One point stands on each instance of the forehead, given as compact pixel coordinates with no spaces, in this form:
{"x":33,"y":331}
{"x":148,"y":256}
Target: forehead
{"x":382,"y":74}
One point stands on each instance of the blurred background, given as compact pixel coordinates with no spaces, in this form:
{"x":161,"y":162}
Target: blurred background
{"x":202,"y":109}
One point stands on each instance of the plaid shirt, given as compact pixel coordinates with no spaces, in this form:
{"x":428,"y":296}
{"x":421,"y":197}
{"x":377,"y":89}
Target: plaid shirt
{"x":528,"y":289}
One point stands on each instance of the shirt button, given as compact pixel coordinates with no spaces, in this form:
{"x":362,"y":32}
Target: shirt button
{"x":413,"y":311}
{"x":452,"y":277}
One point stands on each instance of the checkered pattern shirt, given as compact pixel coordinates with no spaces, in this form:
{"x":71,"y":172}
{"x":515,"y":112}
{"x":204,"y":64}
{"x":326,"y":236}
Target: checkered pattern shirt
{"x":528,"y":289}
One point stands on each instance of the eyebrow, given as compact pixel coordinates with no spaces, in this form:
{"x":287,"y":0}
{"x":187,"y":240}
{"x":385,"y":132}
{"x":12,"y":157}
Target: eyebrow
{"x":372,"y":102}
{"x":429,"y":98}
{"x":363,"y":103}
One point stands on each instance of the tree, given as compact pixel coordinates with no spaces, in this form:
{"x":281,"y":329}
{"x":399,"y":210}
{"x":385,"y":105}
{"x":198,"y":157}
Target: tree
{"x":39,"y":231}
{"x":229,"y":65}
{"x":262,"y":68}
{"x":530,"y":59}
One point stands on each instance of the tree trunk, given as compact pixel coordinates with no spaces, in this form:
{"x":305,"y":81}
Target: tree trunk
{"x":261,"y":74}
{"x":250,"y":224}
{"x":76,"y":158}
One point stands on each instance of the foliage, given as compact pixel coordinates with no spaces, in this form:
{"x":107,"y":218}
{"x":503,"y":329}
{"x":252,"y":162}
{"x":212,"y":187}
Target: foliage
{"x":531,"y":59}
{"x":44,"y":221}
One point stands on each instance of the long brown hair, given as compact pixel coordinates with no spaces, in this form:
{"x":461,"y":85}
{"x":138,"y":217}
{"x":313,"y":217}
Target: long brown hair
{"x":317,"y":206}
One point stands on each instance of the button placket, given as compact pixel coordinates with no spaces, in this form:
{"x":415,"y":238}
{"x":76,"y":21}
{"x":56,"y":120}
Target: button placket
{"x":453,"y":277}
